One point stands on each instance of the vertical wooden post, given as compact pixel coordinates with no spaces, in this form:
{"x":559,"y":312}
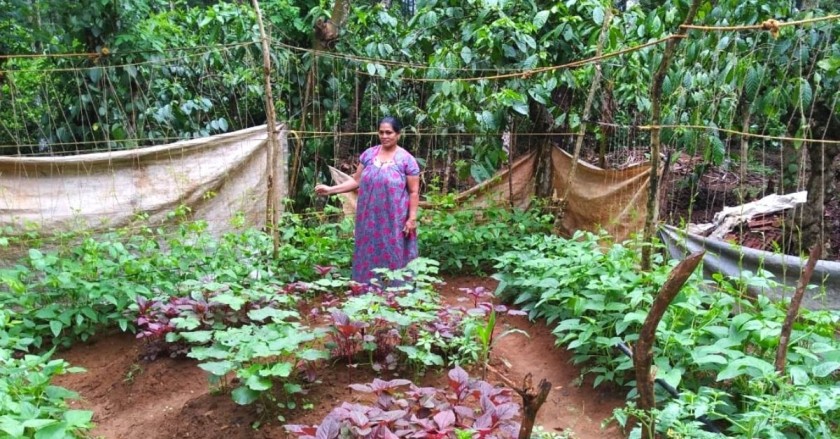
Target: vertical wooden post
{"x":656,"y":118}
{"x":273,"y":189}
{"x":511,"y":148}
{"x":745,"y":151}
{"x":605,"y":27}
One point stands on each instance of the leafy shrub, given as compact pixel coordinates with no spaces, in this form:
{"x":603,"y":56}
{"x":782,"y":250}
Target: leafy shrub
{"x":260,"y":356}
{"x":86,"y":283}
{"x":464,"y":241}
{"x":402,"y":318}
{"x":712,"y":342}
{"x":30,"y":406}
{"x":210,"y":306}
{"x":467,"y":407}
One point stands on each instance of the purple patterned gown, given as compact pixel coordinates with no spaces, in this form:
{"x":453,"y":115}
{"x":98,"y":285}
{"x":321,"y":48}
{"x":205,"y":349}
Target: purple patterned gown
{"x":381,"y":212}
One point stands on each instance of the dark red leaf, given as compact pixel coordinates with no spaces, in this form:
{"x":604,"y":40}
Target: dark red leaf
{"x":507,"y":411}
{"x":445,"y":419}
{"x":328,"y":429}
{"x":364,"y":388}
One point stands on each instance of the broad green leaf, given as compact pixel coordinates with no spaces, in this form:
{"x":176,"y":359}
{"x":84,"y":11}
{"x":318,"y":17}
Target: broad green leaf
{"x":56,"y":392}
{"x":95,"y":74}
{"x":243,"y":395}
{"x":235,"y":302}
{"x":197,"y":337}
{"x":799,"y":375}
{"x":281,"y":370}
{"x":218,"y":368}
{"x":292,"y":388}
{"x":466,"y":54}
{"x":540,"y":19}
{"x":598,"y":15}
{"x":823,"y":370}
{"x":827,"y":404}
{"x":805,"y":93}
{"x":203,"y":353}
{"x":710,"y":359}
{"x":38,"y":424}
{"x":672,"y":377}
{"x":830,"y":64}
{"x":57,"y":430}
{"x":754,"y":367}
{"x":387,"y":18}
{"x":717,"y":150}
{"x":55,"y":327}
{"x":11,"y":426}
{"x":258,"y":383}
{"x":272,"y":313}
{"x":77,"y":418}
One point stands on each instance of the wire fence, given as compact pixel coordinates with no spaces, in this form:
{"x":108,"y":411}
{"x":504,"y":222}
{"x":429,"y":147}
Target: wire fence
{"x":57,"y":105}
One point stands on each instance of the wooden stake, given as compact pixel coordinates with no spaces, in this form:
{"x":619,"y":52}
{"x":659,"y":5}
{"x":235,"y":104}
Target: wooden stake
{"x":804,"y":278}
{"x":643,"y":353}
{"x":532,"y":399}
{"x":273,"y":188}
{"x":511,"y":148}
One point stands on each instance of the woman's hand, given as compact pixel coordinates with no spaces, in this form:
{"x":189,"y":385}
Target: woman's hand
{"x":410,"y":228}
{"x":323,"y":189}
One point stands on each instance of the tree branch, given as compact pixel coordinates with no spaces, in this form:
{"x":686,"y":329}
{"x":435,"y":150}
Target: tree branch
{"x":647,"y":337}
{"x":795,"y":302}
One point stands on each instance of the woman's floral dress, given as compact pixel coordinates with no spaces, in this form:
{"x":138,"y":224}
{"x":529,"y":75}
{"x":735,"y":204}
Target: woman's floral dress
{"x":381,"y":212}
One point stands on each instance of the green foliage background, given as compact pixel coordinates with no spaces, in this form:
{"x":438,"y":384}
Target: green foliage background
{"x":164,"y":70}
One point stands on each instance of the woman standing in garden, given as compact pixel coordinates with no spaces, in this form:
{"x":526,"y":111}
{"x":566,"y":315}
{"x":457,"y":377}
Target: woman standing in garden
{"x":386,"y":212}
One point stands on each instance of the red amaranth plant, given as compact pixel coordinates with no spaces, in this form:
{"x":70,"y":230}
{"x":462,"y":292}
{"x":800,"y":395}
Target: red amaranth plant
{"x":421,"y":412}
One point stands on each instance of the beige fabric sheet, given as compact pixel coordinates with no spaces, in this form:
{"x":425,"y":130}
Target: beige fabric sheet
{"x":495,"y":190}
{"x":216,"y":177}
{"x":614,"y":200}
{"x":598,"y":198}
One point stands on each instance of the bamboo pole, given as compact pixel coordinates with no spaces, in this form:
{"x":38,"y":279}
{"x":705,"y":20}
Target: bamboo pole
{"x":511,"y":148}
{"x":745,"y":151}
{"x":273,"y":190}
{"x":593,"y":88}
{"x":656,"y":118}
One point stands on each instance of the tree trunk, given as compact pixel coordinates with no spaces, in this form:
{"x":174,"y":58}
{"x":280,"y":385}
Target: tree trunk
{"x":347,"y":142}
{"x":325,"y":34}
{"x":544,"y":172}
{"x":447,"y":167}
{"x":656,"y":118}
{"x":608,"y":109}
{"x":807,"y":224}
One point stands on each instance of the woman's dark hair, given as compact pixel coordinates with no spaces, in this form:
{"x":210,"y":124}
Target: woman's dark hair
{"x":395,"y":124}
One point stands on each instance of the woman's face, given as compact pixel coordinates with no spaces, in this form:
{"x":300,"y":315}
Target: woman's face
{"x":387,"y":136}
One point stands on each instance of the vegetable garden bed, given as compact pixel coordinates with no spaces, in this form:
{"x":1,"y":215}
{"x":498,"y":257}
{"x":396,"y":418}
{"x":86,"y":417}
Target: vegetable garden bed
{"x":169,"y":397}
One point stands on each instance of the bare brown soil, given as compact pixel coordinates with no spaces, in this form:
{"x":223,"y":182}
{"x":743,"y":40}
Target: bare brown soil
{"x":171,"y":398}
